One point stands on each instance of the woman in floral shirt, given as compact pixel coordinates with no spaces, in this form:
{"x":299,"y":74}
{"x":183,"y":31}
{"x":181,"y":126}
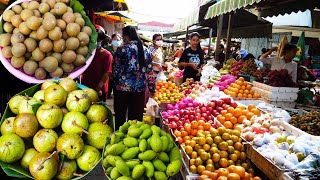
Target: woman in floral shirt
{"x":133,"y":70}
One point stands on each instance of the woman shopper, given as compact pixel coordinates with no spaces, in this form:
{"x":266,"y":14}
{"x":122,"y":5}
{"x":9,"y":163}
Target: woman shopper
{"x":284,"y":62}
{"x":133,"y":70}
{"x":115,"y":43}
{"x":100,"y":69}
{"x":192,"y":59}
{"x":156,"y":53}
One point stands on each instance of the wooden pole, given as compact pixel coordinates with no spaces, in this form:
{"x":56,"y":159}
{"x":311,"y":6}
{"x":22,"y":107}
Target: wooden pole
{"x":186,"y":39}
{"x":210,"y":39}
{"x":230,"y":23}
{"x":219,"y":31}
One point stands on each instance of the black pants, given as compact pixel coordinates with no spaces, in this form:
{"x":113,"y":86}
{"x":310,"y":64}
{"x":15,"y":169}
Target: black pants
{"x":110,"y":87}
{"x":133,"y":102}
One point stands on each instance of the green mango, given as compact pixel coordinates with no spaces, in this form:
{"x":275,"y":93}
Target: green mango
{"x":173,"y":168}
{"x":132,"y":163}
{"x":155,"y":129}
{"x":115,"y":173}
{"x":159,"y":165}
{"x":134,"y":132}
{"x":164,"y":157}
{"x":149,"y":168}
{"x":122,"y":167}
{"x":165,"y":142}
{"x":146,"y":134}
{"x":138,"y":171}
{"x":116,"y":149}
{"x":174,"y":154}
{"x":130,"y":153}
{"x":158,"y":175}
{"x":156,"y":143}
{"x":147,"y":155}
{"x":130,"y":142}
{"x":124,"y":127}
{"x":143,"y":145}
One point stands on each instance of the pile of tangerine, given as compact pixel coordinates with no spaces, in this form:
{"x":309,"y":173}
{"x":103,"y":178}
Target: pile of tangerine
{"x":232,"y":117}
{"x":167,"y":92}
{"x":241,"y":89}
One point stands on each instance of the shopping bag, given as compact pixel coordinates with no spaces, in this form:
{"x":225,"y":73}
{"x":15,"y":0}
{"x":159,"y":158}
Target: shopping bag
{"x":161,"y":76}
{"x":152,"y":108}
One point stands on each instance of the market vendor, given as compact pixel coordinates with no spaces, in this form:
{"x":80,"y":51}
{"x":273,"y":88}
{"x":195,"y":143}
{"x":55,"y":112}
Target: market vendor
{"x":157,"y":53}
{"x":284,"y":62}
{"x":192,"y":59}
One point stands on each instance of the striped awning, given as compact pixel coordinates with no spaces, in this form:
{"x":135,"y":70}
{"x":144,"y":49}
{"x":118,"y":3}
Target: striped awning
{"x":226,"y":6}
{"x":191,"y":19}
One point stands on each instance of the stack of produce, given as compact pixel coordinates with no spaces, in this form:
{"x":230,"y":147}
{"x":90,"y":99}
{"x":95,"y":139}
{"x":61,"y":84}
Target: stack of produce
{"x":209,"y":95}
{"x":209,"y":149}
{"x":227,"y":66}
{"x":167,"y":92}
{"x":45,"y":39}
{"x":232,"y":117}
{"x":139,"y":150}
{"x":198,"y":89}
{"x":261,"y":73}
{"x":249,"y":68}
{"x":241,"y":89}
{"x":58,"y":119}
{"x":280,"y":78}
{"x":236,"y":67}
{"x":225,"y":81}
{"x":309,"y":122}
{"x":215,"y":79}
{"x":288,"y":151}
{"x":187,"y":86}
{"x":186,"y":111}
{"x":207,"y":73}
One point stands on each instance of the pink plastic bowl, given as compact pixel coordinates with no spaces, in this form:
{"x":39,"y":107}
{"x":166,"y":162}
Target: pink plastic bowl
{"x":30,"y":79}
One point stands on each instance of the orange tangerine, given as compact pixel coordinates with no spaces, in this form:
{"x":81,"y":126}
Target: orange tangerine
{"x":251,"y":106}
{"x":237,"y":112}
{"x":241,"y":79}
{"x":250,"y":115}
{"x":245,"y":112}
{"x":223,"y":112}
{"x":230,"y":110}
{"x":228,"y":116}
{"x":255,"y":111}
{"x":246,"y":92}
{"x":241,"y":118}
{"x":240,"y":95}
{"x":249,"y":96}
{"x":228,"y":124}
{"x":233,"y":120}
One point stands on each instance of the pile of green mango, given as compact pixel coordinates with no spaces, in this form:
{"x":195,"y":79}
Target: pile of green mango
{"x":140,"y":151}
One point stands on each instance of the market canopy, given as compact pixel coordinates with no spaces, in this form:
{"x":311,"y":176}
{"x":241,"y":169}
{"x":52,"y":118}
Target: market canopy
{"x":264,"y":7}
{"x":191,"y":19}
{"x":114,"y":16}
{"x":245,"y":25}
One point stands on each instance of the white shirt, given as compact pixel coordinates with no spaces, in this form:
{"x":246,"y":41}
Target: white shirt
{"x":278,"y":63}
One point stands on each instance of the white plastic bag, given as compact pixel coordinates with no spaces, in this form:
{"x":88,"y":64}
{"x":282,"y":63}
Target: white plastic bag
{"x":152,"y":107}
{"x":161,"y":76}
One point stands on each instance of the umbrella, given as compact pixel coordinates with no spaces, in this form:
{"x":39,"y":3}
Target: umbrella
{"x":283,"y":42}
{"x":107,"y":5}
{"x":115,"y":16}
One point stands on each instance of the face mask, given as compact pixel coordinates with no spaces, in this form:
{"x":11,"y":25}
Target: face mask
{"x":159,"y":43}
{"x":115,"y":43}
{"x":98,"y":45}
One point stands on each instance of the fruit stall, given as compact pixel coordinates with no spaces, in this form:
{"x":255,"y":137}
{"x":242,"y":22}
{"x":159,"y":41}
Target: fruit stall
{"x":221,"y":136}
